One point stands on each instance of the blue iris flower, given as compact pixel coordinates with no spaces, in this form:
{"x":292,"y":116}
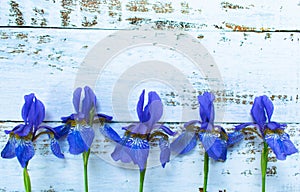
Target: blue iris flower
{"x":21,"y":138}
{"x":78,"y":126}
{"x":134,"y":146}
{"x":214,"y":138}
{"x":271,"y":131}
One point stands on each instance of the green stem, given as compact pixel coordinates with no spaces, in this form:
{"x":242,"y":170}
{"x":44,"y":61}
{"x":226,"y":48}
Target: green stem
{"x":206,"y":168}
{"x":142,"y":177}
{"x":264,"y":163}
{"x":26,"y":178}
{"x":85,"y":156}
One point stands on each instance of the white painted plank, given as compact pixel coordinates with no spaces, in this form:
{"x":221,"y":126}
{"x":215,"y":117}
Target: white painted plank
{"x":115,"y":14}
{"x":48,"y":62}
{"x":241,"y":171}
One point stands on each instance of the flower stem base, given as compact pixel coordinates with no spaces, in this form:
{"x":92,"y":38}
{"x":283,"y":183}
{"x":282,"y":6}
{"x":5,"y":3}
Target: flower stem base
{"x":27,"y":183}
{"x":206,"y":168}
{"x":85,"y":157}
{"x":264,"y":164}
{"x":142,"y":177}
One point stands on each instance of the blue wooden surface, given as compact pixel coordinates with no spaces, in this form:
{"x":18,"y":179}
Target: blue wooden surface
{"x":255,"y":47}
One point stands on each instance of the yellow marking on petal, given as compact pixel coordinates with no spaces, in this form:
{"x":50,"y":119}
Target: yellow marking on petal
{"x":276,"y":131}
{"x":136,"y":135}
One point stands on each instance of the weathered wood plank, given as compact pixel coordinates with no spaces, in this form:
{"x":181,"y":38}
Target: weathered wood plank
{"x":238,"y":15}
{"x":48,"y":59}
{"x":48,"y":62}
{"x":241,"y":171}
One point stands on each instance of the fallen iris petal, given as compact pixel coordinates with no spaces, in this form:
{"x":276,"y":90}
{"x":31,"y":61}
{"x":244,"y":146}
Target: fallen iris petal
{"x":9,"y":149}
{"x":55,"y":148}
{"x":107,"y":131}
{"x":165,"y":151}
{"x":76,"y":143}
{"x":24,"y":151}
{"x":215,"y":147}
{"x":184,"y":142}
{"x":281,"y":145}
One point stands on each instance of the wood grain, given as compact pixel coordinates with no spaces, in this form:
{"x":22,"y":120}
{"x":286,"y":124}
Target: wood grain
{"x":47,"y":62}
{"x":239,"y":15}
{"x":255,"y":50}
{"x":66,"y":175}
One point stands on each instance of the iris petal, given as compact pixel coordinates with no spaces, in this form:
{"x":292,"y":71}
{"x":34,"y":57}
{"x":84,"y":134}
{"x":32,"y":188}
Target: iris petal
{"x":9,"y":149}
{"x":274,"y":125}
{"x":33,"y":111}
{"x":281,"y":145}
{"x":138,"y":128}
{"x":168,"y":130}
{"x":87,"y":135}
{"x":76,"y":143}
{"x":132,"y":149}
{"x":23,"y":130}
{"x":241,"y":126}
{"x":68,"y":118}
{"x":24,"y":151}
{"x":55,"y":148}
{"x":206,"y":107}
{"x":234,"y":137}
{"x":106,"y":117}
{"x":140,"y":109}
{"x":155,"y":108}
{"x":76,"y":99}
{"x":184,"y":142}
{"x":120,"y":154}
{"x":152,"y":112}
{"x":138,"y":149}
{"x":88,"y":103}
{"x":269,"y":107}
{"x":165,"y":151}
{"x":38,"y":113}
{"x":192,"y":123}
{"x":27,"y":106}
{"x":215,"y":147}
{"x":110,"y":133}
{"x":61,"y":131}
{"x":258,"y":112}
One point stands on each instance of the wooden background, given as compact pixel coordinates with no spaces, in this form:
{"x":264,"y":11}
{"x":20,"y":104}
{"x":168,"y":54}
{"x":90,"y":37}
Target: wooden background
{"x":255,"y":46}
